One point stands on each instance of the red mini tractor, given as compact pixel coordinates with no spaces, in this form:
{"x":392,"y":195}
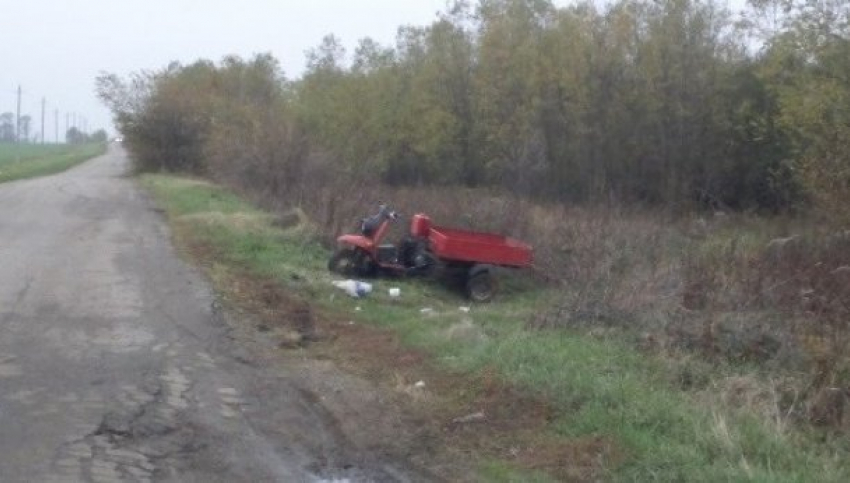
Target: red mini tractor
{"x":429,"y":249}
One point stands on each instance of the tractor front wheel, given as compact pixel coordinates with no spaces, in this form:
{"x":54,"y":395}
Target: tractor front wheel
{"x":350,"y":262}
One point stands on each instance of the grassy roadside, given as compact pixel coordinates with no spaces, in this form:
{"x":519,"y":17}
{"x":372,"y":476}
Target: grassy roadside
{"x":30,"y":161}
{"x":612,"y":412}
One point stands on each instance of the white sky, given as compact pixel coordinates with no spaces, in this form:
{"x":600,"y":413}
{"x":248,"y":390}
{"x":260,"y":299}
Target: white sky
{"x":55,"y":48}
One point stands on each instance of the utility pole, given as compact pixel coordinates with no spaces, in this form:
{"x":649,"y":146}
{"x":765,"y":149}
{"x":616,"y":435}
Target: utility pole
{"x":56,"y":123}
{"x":67,"y":125}
{"x":43,"y":103}
{"x":18,"y":128}
{"x":18,"y":118}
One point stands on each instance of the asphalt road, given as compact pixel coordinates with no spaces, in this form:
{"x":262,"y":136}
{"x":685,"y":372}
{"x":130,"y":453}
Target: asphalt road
{"x":117,"y":365}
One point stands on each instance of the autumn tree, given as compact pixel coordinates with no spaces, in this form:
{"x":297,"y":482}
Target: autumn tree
{"x":677,"y":104}
{"x":807,"y":66}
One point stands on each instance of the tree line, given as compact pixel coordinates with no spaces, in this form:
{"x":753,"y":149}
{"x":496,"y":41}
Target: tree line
{"x":9,"y":129}
{"x":9,"y":132}
{"x":679,"y":104}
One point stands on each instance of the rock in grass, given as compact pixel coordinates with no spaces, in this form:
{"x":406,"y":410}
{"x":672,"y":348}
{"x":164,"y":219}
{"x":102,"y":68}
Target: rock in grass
{"x":466,"y":331}
{"x":777,"y":245}
{"x":843,"y":271}
{"x":470,"y":418}
{"x":291,"y":339}
{"x":289,"y":219}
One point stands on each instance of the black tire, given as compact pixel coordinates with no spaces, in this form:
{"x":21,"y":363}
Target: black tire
{"x":430,"y":267}
{"x":480,"y":284}
{"x":351,"y":262}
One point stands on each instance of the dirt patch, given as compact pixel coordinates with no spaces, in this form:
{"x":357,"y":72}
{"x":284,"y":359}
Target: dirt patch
{"x":579,"y":460}
{"x":472,"y":415}
{"x":275,"y":310}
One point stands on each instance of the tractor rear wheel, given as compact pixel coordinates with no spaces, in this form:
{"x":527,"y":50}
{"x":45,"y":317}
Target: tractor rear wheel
{"x":480,"y":284}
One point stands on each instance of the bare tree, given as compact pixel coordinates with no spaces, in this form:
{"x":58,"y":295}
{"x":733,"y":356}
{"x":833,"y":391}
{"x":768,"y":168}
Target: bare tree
{"x":7,"y":127}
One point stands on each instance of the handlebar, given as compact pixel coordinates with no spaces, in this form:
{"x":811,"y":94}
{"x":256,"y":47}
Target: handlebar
{"x":385,"y":210}
{"x":369,"y":225}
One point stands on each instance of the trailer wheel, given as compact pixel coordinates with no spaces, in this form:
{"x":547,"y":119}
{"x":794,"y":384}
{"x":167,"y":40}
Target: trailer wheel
{"x":480,"y":284}
{"x":350,"y":263}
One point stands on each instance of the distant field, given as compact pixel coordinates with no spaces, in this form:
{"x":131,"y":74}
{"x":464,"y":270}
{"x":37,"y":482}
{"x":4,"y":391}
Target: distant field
{"x":32,"y":160}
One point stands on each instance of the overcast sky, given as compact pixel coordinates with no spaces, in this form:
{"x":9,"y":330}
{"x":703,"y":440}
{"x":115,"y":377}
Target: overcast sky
{"x":55,"y":48}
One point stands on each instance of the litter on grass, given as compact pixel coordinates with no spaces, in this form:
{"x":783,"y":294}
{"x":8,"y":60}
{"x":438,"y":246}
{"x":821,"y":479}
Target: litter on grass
{"x":470,"y":418}
{"x":354,"y":288}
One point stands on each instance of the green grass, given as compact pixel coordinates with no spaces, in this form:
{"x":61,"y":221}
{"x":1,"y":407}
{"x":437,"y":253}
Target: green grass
{"x":601,"y":387}
{"x":33,"y":160}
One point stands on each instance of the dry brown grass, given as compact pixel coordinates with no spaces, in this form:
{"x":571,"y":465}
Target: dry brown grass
{"x":732,"y":288}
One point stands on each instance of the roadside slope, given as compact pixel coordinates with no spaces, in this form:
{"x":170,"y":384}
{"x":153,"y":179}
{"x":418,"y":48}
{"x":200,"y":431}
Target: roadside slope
{"x":519,"y":401}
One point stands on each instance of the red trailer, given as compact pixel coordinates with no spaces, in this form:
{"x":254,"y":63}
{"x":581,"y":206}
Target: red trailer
{"x":426,"y":250}
{"x":476,"y":247}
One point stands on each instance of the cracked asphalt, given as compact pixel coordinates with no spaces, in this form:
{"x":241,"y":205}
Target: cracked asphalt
{"x":116,"y":363}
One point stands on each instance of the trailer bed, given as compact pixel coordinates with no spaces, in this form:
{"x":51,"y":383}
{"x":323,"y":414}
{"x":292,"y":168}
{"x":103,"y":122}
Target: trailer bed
{"x":475,"y":247}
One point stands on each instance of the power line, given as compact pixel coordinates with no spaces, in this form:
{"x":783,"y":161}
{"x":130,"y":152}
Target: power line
{"x":23,"y":122}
